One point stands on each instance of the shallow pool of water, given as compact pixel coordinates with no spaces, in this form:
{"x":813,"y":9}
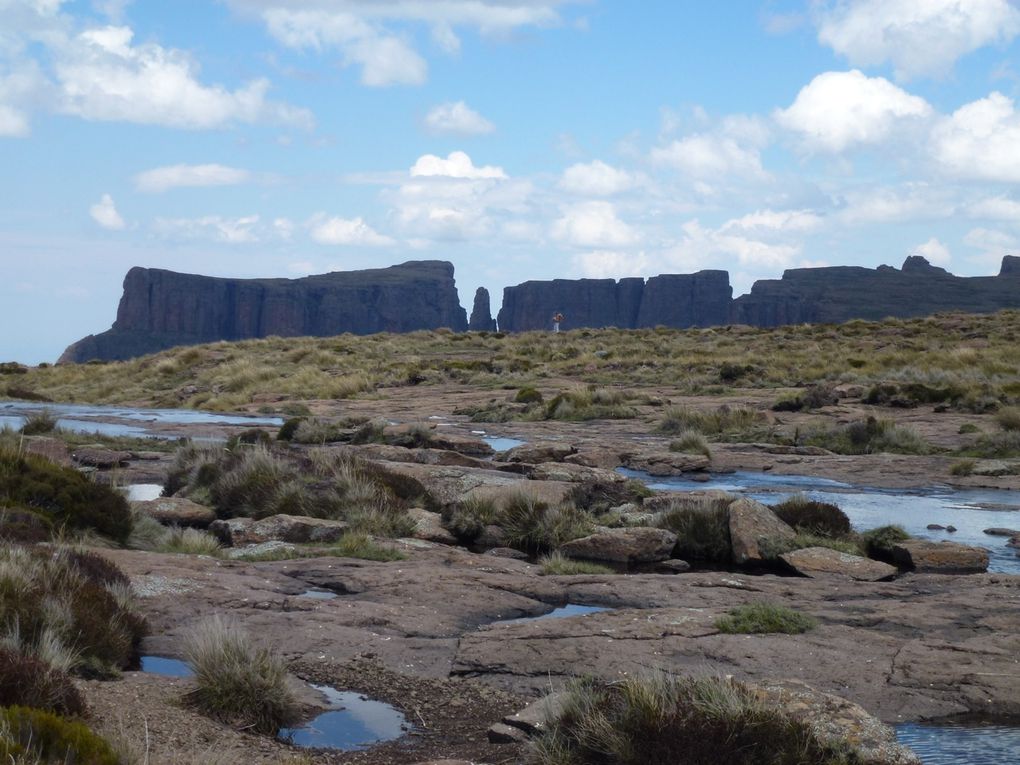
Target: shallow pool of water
{"x":352,"y":722}
{"x":318,"y":595}
{"x":164,"y":665}
{"x":142,"y":492}
{"x":868,"y":508}
{"x":571,"y":609}
{"x":963,"y":742}
{"x":502,"y":443}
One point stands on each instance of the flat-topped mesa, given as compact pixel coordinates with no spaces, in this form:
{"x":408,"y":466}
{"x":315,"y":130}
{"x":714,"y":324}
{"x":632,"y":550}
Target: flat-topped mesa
{"x":671,"y":300}
{"x":162,"y":309}
{"x":841,"y":293}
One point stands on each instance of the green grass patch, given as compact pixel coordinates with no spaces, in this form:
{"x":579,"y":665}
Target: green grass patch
{"x":764,"y":618}
{"x":557,"y":564}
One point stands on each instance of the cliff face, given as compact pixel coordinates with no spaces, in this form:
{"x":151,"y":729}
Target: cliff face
{"x":161,"y":309}
{"x":841,"y":293}
{"x":481,"y":314}
{"x":688,"y":300}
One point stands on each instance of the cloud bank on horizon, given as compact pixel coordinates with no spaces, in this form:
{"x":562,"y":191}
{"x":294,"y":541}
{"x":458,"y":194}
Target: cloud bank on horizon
{"x":520,"y":139}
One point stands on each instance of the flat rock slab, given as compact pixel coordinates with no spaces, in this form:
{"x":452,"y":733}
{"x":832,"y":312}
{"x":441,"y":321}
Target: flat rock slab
{"x":296,"y":529}
{"x":564,"y":471}
{"x":631,"y":545}
{"x":667,"y":463}
{"x":537,"y":453}
{"x":941,"y":557}
{"x":753,"y":526}
{"x":821,"y":561}
{"x":534,"y":718}
{"x":104,"y":459}
{"x":177,"y":511}
{"x":501,"y":733}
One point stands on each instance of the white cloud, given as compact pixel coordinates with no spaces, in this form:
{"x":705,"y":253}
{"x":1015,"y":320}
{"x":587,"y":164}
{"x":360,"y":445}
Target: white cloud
{"x":22,"y":86}
{"x":918,"y":37}
{"x":837,"y":111}
{"x":775,"y":220}
{"x":996,"y":208}
{"x":161,"y":179}
{"x":593,"y":224}
{"x":933,"y":251}
{"x":104,"y":212}
{"x":596,"y":179}
{"x":102,"y":76}
{"x":457,"y":118}
{"x":387,"y":61}
{"x":980,"y":140}
{"x":456,"y":165}
{"x":991,"y":245}
{"x":700,"y":243}
{"x":352,"y":232}
{"x":910,"y":202}
{"x":608,"y":264}
{"x":709,"y":155}
{"x":213,"y":227}
{"x":13,"y":122}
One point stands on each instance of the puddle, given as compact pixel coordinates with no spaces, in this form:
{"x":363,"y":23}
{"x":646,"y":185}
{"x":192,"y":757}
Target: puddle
{"x":318,"y":594}
{"x":571,"y":609}
{"x":501,"y":443}
{"x":164,"y":665}
{"x":142,"y":492}
{"x":868,"y":508}
{"x":964,"y":742}
{"x":353,"y":722}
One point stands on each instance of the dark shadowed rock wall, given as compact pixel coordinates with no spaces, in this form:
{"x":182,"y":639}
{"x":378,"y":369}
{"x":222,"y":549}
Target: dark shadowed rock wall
{"x":672,"y":300}
{"x":161,"y":309}
{"x":841,"y":293}
{"x":481,"y":314}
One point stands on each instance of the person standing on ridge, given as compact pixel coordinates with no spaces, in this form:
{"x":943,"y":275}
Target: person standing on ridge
{"x":557,"y":318}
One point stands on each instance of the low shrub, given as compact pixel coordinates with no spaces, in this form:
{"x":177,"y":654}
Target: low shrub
{"x":557,"y":564}
{"x":879,"y":542}
{"x":36,"y":737}
{"x":963,"y":467}
{"x":237,"y":681}
{"x":717,"y":422}
{"x":702,"y":527}
{"x":289,"y":428}
{"x":906,"y":395}
{"x":818,"y":518}
{"x":528,"y":395}
{"x":468,"y":518}
{"x":1008,"y":417}
{"x":599,"y":497}
{"x":20,"y":525}
{"x":39,"y":423}
{"x":870,"y":436}
{"x":661,"y":720}
{"x":63,"y":495}
{"x":28,"y":681}
{"x":814,"y":397}
{"x":762,"y":618}
{"x":1002,"y":444}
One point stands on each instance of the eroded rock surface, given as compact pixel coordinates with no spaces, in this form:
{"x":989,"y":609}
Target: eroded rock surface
{"x":629,"y":546}
{"x":821,"y":561}
{"x":941,"y":557}
{"x":753,"y":528}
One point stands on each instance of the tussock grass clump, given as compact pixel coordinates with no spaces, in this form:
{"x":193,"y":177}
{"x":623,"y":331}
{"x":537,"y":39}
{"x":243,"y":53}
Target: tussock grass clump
{"x":557,"y":564}
{"x":726,"y":421}
{"x":812,"y":517}
{"x":762,"y":618}
{"x":963,"y":467}
{"x":661,"y":720}
{"x":1004,"y":443}
{"x":36,"y":737}
{"x":878,"y":543}
{"x":62,"y":495}
{"x":468,"y":518}
{"x":690,"y":442}
{"x":870,"y":436}
{"x":39,"y":423}
{"x":28,"y":681}
{"x":190,"y":542}
{"x":702,"y":527}
{"x":533,"y":526}
{"x":814,"y":397}
{"x":590,"y":403}
{"x":528,"y":395}
{"x":598,"y":497}
{"x":1008,"y":418}
{"x":356,"y":545}
{"x":237,"y":681}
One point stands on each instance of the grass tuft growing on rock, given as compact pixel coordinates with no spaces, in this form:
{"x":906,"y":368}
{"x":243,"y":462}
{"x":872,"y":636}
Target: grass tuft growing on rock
{"x":763,"y":618}
{"x":39,"y":423}
{"x":870,"y":436}
{"x":702,"y":526}
{"x":662,"y":720}
{"x":557,"y":564}
{"x":878,"y":543}
{"x":535,"y":526}
{"x":690,"y":442}
{"x":812,"y":517}
{"x":237,"y":681}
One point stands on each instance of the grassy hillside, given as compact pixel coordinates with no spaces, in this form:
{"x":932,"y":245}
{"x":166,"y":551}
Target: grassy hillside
{"x":969,"y":361}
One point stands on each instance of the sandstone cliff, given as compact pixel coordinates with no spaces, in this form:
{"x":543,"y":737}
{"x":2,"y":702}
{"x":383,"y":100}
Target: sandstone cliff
{"x":161,"y":309}
{"x":841,"y":293}
{"x":481,"y":314}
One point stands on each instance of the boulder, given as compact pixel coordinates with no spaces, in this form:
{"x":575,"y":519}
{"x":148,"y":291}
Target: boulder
{"x":538,"y":452}
{"x":429,"y":526}
{"x":535,"y":717}
{"x":295,"y":529}
{"x":501,"y":733}
{"x":821,"y":561}
{"x":177,"y":511}
{"x":562,"y":471}
{"x":667,"y":463}
{"x":607,"y":459}
{"x":1001,"y":532}
{"x":629,"y":546}
{"x":104,"y":459}
{"x":928,"y":557}
{"x":444,"y":457}
{"x":834,"y":720}
{"x":753,"y":527}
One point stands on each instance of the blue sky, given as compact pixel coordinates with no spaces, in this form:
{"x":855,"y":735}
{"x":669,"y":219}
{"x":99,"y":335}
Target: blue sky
{"x":519,"y":139}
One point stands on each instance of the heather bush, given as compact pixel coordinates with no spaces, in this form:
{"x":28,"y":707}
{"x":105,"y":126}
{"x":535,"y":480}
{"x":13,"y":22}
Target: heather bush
{"x":36,"y":737}
{"x":812,"y":517}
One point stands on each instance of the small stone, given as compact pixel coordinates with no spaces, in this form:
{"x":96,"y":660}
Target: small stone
{"x":935,"y":527}
{"x":500,"y":733}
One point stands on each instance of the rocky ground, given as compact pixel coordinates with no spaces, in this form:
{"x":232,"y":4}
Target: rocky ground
{"x":426,"y":633}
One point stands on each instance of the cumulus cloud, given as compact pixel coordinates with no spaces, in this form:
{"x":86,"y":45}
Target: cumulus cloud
{"x":837,"y":111}
{"x":917,"y":38}
{"x":456,"y":165}
{"x":933,"y":251}
{"x":351,"y":232}
{"x":991,"y":244}
{"x":457,"y":118}
{"x":387,"y":61}
{"x":596,"y":179}
{"x":775,"y":220}
{"x":708,"y":155}
{"x":593,"y":224}
{"x":610,"y":264}
{"x":210,"y":227}
{"x":104,"y":212}
{"x":700,"y":242}
{"x":161,"y":179}
{"x":880,"y":204}
{"x":980,"y":140}
{"x":996,"y":208}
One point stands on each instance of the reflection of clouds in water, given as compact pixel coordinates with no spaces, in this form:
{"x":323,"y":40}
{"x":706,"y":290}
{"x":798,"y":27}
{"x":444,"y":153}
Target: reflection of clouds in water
{"x":352,"y":722}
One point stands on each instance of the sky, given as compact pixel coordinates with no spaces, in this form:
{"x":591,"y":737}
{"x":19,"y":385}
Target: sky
{"x":518,"y":139}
